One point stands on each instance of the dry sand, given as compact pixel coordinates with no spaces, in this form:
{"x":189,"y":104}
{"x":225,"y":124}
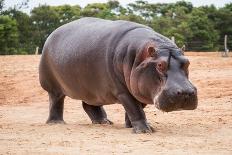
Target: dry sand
{"x":24,"y":110}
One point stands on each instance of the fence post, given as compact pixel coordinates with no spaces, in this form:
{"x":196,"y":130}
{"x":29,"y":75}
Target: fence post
{"x":183,"y":49}
{"x":173,"y":39}
{"x":225,"y":44}
{"x":37,"y":50}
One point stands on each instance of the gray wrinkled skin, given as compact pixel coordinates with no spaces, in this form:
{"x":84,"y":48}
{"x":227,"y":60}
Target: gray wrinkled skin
{"x":104,"y":62}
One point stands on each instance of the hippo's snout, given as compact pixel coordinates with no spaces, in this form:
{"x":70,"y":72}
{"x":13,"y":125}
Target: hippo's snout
{"x":177,"y":99}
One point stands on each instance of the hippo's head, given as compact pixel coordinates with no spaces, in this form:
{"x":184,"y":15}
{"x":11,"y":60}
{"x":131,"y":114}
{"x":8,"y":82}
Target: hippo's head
{"x":160,"y":76}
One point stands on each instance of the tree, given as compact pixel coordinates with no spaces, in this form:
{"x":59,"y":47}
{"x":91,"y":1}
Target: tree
{"x":132,"y":17}
{"x":143,"y":8}
{"x":226,"y":22}
{"x":204,"y":36}
{"x":199,"y":28}
{"x":187,"y":6}
{"x":100,"y":10}
{"x":44,"y":20}
{"x":8,"y":35}
{"x":161,"y":24}
{"x":25,"y":32}
{"x":222,"y":20}
{"x":173,"y":21}
{"x":67,"y":13}
{"x":113,"y":4}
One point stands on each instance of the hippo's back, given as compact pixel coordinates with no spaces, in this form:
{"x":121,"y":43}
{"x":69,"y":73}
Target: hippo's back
{"x":76,"y":56}
{"x":84,"y":35}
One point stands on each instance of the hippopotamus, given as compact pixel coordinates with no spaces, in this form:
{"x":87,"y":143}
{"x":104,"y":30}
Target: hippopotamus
{"x":103,"y":62}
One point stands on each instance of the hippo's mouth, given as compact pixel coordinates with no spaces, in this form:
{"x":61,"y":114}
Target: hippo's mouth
{"x":168,"y":104}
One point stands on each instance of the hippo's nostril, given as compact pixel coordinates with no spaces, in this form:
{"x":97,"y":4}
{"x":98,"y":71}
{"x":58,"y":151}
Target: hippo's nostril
{"x":191,"y":93}
{"x":179,"y":92}
{"x":185,"y":94}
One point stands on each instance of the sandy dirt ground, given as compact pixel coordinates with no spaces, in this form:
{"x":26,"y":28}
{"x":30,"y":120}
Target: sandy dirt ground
{"x":24,"y":110}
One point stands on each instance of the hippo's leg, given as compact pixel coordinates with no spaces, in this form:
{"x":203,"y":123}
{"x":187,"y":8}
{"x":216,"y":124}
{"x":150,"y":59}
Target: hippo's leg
{"x":135,"y":113}
{"x":97,"y":114}
{"x":56,"y":108}
{"x":127,"y":120}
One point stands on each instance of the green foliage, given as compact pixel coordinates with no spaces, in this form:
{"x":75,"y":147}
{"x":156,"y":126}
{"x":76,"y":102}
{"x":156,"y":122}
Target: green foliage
{"x":8,"y":35}
{"x":113,"y":4}
{"x":24,"y":27}
{"x":99,"y":10}
{"x":225,"y":23}
{"x":199,"y":28}
{"x":222,"y":20}
{"x":67,"y":13}
{"x":44,"y":20}
{"x":132,"y":17}
{"x":202,"y":32}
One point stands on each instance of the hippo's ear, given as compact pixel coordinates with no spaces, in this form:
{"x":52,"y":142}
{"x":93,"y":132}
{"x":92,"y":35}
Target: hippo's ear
{"x":149,"y":51}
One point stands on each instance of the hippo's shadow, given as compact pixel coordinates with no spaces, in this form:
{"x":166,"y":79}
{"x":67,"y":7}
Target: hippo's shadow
{"x":105,"y":126}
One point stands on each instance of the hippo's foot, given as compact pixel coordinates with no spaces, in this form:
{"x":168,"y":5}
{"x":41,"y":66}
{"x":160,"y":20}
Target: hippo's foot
{"x":97,"y":114}
{"x":140,"y":127}
{"x":55,"y":122}
{"x":104,"y":121}
{"x":128,"y":125}
{"x":56,"y":109}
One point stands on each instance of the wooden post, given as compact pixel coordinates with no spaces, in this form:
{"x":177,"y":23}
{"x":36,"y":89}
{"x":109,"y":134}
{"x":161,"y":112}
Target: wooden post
{"x":173,"y":39}
{"x":183,"y":49}
{"x":37,"y":50}
{"x":225,"y":45}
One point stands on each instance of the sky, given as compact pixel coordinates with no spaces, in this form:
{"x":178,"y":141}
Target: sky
{"x":83,"y":3}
